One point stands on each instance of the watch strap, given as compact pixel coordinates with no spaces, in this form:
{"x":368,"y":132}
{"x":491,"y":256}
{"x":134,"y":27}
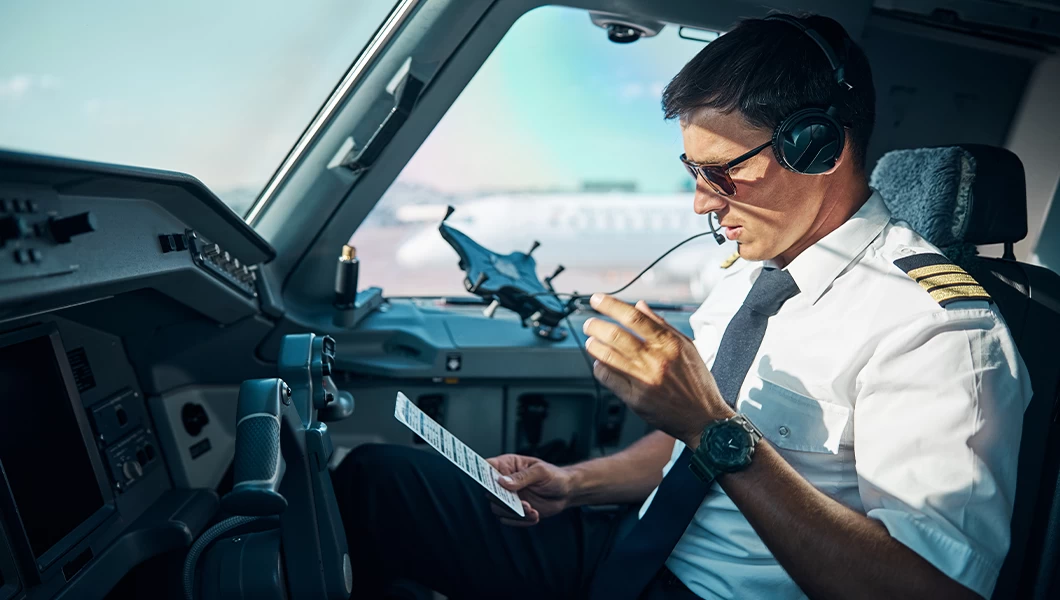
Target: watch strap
{"x":701,"y":468}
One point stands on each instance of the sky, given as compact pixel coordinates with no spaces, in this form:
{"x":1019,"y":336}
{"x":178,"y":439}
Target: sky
{"x":557,"y":104}
{"x":222,"y":91}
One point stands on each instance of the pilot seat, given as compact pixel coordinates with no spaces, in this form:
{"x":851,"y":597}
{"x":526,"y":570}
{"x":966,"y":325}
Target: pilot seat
{"x":963,"y":196}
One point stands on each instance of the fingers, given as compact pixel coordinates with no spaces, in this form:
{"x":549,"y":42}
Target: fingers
{"x":532,"y":517}
{"x":610,"y":357}
{"x":613,"y":335}
{"x":508,"y":517}
{"x":507,"y":464}
{"x":503,"y":463}
{"x":637,"y":322}
{"x":617,"y":382}
{"x":643,"y":307}
{"x":526,"y":477}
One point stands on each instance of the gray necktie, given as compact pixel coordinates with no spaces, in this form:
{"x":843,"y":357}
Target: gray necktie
{"x":639,"y":556}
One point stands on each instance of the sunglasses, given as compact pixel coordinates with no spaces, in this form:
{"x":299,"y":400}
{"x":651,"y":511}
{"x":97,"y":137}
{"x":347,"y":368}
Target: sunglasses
{"x":717,"y":176}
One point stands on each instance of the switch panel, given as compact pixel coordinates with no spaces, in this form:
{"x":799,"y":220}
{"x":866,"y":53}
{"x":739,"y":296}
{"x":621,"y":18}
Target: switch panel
{"x":132,"y":458}
{"x":62,"y":229}
{"x":117,"y":416}
{"x":32,"y":226}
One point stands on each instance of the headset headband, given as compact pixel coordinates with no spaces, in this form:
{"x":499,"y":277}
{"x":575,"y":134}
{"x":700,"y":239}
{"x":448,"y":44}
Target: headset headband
{"x":833,"y":59}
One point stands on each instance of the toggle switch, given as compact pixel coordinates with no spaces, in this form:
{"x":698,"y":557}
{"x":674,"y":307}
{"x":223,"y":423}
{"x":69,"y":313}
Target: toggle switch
{"x":13,"y":227}
{"x":64,"y":228}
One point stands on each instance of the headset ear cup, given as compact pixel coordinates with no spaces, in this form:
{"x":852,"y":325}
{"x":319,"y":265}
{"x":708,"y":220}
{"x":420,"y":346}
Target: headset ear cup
{"x":809,"y":141}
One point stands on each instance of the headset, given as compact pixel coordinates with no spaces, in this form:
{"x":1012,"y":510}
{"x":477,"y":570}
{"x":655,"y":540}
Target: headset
{"x":810,"y":140}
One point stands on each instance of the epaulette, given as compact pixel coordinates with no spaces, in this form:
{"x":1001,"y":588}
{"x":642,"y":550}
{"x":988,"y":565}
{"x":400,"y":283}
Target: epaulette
{"x":945,"y":281}
{"x":728,"y":262}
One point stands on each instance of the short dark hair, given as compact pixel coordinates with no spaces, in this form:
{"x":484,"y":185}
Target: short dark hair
{"x":769,"y":69}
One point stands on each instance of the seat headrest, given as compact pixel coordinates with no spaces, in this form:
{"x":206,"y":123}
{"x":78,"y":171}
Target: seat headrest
{"x":956,"y":196}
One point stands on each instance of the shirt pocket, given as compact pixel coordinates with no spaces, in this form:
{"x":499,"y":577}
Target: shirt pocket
{"x":792,"y":421}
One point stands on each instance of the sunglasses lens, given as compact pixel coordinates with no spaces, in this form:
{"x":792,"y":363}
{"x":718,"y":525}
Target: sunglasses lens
{"x":691,"y":170}
{"x":719,"y":179}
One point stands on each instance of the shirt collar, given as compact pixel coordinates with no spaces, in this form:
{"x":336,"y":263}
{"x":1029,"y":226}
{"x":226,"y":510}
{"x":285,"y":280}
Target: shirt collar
{"x":816,"y":267}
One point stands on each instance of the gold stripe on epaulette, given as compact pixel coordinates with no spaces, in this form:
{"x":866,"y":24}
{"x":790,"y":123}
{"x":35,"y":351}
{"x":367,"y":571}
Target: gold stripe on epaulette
{"x":934,"y":270}
{"x":960,"y":292}
{"x":934,"y":281}
{"x":728,"y":262}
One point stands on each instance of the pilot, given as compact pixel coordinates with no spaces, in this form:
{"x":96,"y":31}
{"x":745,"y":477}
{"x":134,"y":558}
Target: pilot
{"x":844,"y":424}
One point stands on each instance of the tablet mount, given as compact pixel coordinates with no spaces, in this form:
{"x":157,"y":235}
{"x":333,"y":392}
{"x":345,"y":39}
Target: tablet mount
{"x":510,"y":281}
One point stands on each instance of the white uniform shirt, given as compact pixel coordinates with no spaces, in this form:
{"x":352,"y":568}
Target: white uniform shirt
{"x":902,"y":410}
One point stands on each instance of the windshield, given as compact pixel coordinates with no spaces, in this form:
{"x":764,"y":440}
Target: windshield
{"x":559,"y":138}
{"x":218,"y":90}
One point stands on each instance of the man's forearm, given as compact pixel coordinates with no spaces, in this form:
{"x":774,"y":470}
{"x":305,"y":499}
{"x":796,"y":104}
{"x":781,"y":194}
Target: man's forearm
{"x":623,"y":478}
{"x":828,"y":549}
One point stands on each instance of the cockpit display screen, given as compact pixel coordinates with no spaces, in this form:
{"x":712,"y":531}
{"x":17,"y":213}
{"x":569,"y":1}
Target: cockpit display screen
{"x":42,"y":450}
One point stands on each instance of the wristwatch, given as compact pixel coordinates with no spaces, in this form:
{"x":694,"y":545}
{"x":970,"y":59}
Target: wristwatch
{"x":725,"y":446}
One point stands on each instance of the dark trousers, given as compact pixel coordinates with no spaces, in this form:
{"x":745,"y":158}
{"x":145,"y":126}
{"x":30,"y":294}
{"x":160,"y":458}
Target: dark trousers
{"x":410,"y":514}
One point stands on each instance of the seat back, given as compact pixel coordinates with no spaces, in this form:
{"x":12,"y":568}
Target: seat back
{"x":959,"y":197}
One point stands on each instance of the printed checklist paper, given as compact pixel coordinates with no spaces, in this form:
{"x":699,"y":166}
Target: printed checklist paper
{"x":455,"y":450}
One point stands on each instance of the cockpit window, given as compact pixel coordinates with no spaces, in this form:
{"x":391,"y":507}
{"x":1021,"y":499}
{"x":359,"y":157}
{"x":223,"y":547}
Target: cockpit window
{"x":219,"y":90}
{"x":558,"y":138}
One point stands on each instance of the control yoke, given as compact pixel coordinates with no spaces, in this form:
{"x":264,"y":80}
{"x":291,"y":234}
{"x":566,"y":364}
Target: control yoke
{"x":281,"y":469}
{"x":264,"y":415}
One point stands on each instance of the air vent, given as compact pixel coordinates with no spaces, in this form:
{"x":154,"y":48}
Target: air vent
{"x":82,"y":371}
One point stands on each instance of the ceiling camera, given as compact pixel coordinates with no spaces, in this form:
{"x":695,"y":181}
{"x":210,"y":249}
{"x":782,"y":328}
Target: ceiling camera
{"x":623,"y":29}
{"x":622,"y":34}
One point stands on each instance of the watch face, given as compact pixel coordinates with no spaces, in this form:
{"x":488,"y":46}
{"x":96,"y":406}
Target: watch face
{"x":729,"y":445}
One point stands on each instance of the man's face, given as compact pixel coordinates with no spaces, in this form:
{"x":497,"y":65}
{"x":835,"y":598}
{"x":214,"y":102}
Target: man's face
{"x":773,"y":208}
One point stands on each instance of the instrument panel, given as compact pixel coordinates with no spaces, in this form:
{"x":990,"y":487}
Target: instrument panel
{"x":93,"y":259}
{"x":79,"y":459}
{"x":74,"y":232}
{"x":48,"y":510}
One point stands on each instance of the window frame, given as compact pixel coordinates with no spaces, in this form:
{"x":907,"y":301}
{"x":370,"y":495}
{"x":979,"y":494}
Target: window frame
{"x":318,"y":206}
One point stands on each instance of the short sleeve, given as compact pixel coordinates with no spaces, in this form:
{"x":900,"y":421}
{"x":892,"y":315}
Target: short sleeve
{"x":937,"y":422}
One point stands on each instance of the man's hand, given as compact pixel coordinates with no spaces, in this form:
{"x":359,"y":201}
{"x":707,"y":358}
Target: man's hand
{"x":544,"y":488}
{"x":655,"y":369}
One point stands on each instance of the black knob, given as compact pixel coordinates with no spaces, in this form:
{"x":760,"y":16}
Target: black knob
{"x":132,"y":469}
{"x":14,"y":228}
{"x":64,"y":228}
{"x":194,"y":418}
